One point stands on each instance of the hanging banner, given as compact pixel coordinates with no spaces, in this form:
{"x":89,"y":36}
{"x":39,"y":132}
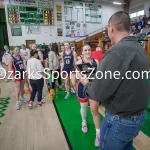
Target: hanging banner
{"x":74,"y":11}
{"x":59,"y":20}
{"x":16,"y":30}
{"x":68,"y":29}
{"x":84,"y":29}
{"x":33,"y":29}
{"x":93,"y":13}
{"x":76,"y":29}
{"x":35,"y":3}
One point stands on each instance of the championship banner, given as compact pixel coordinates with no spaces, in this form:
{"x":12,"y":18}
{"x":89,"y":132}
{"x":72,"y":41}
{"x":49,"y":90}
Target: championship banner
{"x":59,"y":20}
{"x":16,"y":30}
{"x":33,"y":29}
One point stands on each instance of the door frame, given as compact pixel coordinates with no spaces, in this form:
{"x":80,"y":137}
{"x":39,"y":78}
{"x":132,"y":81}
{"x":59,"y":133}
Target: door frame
{"x":5,"y":23}
{"x":29,"y":40}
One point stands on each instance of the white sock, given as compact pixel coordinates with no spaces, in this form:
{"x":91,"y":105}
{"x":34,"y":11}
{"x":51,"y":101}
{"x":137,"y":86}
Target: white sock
{"x":97,"y":131}
{"x":83,"y":111}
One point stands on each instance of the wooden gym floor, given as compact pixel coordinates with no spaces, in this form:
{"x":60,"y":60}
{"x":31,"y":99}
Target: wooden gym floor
{"x":25,"y":129}
{"x":39,"y":128}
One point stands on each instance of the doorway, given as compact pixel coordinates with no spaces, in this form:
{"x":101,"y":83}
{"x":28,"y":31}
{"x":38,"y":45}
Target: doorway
{"x":3,"y":31}
{"x":29,"y":43}
{"x":3,"y":36}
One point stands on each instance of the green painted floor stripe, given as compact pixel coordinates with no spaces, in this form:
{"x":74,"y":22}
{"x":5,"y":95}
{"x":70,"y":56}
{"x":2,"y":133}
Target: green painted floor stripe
{"x":69,"y":111}
{"x":66,"y":136}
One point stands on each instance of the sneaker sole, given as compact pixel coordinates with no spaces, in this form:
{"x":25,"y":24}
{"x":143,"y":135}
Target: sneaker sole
{"x":18,"y":108}
{"x":67,"y":97}
{"x":96,"y":145}
{"x":22,"y":103}
{"x":73,"y":93}
{"x":84,"y":131}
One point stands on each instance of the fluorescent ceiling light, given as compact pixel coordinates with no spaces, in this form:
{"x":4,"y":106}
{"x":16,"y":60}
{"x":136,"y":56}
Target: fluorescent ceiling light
{"x":117,"y":3}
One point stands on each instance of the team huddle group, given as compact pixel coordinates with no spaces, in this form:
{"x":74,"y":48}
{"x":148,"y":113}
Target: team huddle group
{"x":24,"y":60}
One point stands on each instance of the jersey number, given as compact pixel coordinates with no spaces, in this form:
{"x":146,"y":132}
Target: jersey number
{"x":21,"y":66}
{"x":67,"y":61}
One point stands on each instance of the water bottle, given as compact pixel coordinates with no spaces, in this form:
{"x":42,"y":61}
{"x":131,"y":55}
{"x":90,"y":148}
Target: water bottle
{"x":49,"y":85}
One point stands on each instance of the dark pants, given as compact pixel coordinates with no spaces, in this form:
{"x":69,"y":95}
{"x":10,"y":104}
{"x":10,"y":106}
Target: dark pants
{"x":118,"y":133}
{"x":59,"y":79}
{"x":37,"y":86}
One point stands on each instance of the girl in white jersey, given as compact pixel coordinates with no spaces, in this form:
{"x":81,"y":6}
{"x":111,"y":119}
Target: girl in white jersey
{"x":5,"y":58}
{"x":25,"y":54}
